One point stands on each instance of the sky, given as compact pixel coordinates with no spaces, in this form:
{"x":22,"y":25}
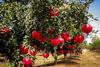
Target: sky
{"x":0,"y":0}
{"x":95,"y":10}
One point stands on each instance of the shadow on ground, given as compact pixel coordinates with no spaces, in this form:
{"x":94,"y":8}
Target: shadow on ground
{"x":65,"y":63}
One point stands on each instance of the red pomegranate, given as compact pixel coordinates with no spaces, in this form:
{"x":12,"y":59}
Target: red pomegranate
{"x":57,"y":13}
{"x":51,"y":30}
{"x":87,"y":28}
{"x":78,"y":38}
{"x":61,"y":51}
{"x":36,"y":35}
{"x":51,"y":11}
{"x":46,"y":55}
{"x":55,"y":41}
{"x":61,"y":40}
{"x":66,"y":36}
{"x":33,"y":53}
{"x":34,"y":46}
{"x":54,"y":12}
{"x":68,"y":39}
{"x":27,"y":62}
{"x":23,"y":49}
{"x":43,"y":39}
{"x":73,"y":46}
{"x":5,"y":30}
{"x":67,"y":46}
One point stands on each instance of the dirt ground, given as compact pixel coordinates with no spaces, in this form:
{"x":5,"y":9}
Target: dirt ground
{"x":90,"y":59}
{"x":87,"y":59}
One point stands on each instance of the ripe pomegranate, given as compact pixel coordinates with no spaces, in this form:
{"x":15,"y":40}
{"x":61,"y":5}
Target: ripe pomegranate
{"x":23,"y":49}
{"x":27,"y":62}
{"x":33,"y":53}
{"x":46,"y":55}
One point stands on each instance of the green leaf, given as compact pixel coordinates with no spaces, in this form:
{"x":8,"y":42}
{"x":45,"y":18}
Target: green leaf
{"x":50,"y":1}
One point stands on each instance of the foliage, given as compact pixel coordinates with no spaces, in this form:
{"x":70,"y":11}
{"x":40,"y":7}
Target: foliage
{"x":24,"y":17}
{"x":95,"y":44}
